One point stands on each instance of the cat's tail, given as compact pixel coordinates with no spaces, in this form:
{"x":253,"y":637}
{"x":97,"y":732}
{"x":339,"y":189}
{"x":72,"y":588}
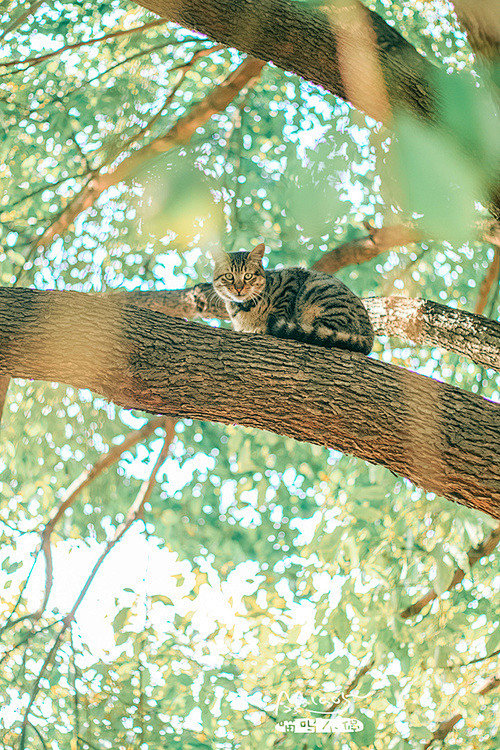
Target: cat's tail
{"x":321,"y":335}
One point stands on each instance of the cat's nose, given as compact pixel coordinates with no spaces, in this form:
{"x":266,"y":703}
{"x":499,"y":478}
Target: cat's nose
{"x":238,"y":288}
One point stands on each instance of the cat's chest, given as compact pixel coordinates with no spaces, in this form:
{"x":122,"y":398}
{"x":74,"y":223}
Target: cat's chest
{"x":252,"y":320}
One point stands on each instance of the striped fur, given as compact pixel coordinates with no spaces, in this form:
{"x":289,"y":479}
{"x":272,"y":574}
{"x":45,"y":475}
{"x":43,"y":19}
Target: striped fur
{"x":293,"y":303}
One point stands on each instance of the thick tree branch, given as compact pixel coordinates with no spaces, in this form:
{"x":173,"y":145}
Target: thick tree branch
{"x":430,"y":324}
{"x":343,"y":46}
{"x":415,"y":320}
{"x":442,"y":439}
{"x":316,"y":43}
{"x":474,"y":555}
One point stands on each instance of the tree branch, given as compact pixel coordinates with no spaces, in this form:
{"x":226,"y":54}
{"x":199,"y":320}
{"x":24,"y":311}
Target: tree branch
{"x":474,"y":555}
{"x":442,"y":439}
{"x":180,"y":133}
{"x":316,"y":43}
{"x":68,"y":498}
{"x":430,"y":324}
{"x":481,"y":21}
{"x":31,"y":61}
{"x":417,"y":321}
{"x":378,"y":241}
{"x":134,"y":512}
{"x":445,"y":727}
{"x":343,"y":46}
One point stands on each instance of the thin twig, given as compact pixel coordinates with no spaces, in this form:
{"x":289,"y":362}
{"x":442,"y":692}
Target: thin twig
{"x":28,"y":638}
{"x":32,"y":61}
{"x":473,"y":555}
{"x":183,"y":69}
{"x":482,"y":658}
{"x":20,"y":596}
{"x":135,"y":512}
{"x":46,"y":186}
{"x":179,"y":134}
{"x":86,"y":477}
{"x":37,"y":732}
{"x":21,"y":18}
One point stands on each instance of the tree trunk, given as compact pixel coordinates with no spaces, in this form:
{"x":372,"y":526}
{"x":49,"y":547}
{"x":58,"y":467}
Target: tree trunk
{"x":442,"y":439}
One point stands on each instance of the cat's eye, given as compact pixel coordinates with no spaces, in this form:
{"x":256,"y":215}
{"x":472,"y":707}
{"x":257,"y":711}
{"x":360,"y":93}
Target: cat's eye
{"x":229,"y":277}
{"x":248,"y":276}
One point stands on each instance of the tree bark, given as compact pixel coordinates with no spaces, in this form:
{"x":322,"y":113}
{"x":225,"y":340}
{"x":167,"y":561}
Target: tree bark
{"x":422,"y":321}
{"x":417,"y":321}
{"x":316,"y":44}
{"x":344,"y":47}
{"x":442,"y":439}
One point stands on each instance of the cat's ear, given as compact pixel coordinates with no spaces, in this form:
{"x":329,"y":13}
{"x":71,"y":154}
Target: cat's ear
{"x":217,"y":254}
{"x":258,"y":252}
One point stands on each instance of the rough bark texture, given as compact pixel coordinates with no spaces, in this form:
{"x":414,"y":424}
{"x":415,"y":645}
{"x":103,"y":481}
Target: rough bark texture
{"x":317,"y":43}
{"x":442,"y":439}
{"x":424,"y":322}
{"x":417,"y":321}
{"x":343,"y":46}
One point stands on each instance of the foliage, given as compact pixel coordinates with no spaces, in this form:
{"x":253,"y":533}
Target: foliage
{"x":261,"y":565}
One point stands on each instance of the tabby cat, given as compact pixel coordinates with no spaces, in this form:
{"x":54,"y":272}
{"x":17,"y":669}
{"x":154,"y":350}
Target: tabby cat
{"x":293,"y":303}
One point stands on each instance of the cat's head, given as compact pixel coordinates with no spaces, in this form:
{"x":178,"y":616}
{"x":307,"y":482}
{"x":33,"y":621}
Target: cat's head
{"x":239,"y":276}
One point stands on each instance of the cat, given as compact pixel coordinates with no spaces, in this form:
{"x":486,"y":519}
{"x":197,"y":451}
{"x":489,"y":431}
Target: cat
{"x":292,"y":303}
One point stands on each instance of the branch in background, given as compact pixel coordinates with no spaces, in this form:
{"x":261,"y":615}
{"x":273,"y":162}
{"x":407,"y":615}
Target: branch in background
{"x":10,"y":622}
{"x":179,"y":134}
{"x":32,"y":61}
{"x":429,"y":324}
{"x":474,"y":555}
{"x":441,"y":438}
{"x":481,"y":21}
{"x":352,"y":685}
{"x":446,"y":726}
{"x":68,"y":498}
{"x":183,"y":69}
{"x":21,"y":18}
{"x":135,"y":512}
{"x":365,"y":248}
{"x":483,"y":658}
{"x":443,"y":729}
{"x":492,"y":276}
